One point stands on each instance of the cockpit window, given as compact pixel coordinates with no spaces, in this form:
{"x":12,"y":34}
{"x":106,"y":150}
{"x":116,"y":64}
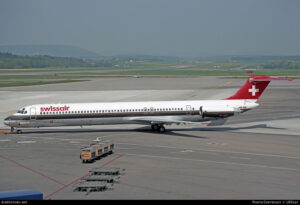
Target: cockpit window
{"x":21,"y":111}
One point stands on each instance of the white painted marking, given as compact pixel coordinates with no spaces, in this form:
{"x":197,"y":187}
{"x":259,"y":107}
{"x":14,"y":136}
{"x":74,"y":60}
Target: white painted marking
{"x":216,"y":143}
{"x":26,"y":142}
{"x":217,"y":151}
{"x":74,"y":142}
{"x":187,"y":151}
{"x":124,"y":148}
{"x":239,"y":158}
{"x":210,"y":161}
{"x":5,"y":140}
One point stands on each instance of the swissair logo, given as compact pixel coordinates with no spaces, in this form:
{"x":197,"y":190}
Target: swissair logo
{"x":51,"y":108}
{"x":253,"y":90}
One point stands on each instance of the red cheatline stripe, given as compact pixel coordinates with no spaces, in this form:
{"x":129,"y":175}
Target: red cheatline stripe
{"x":66,"y":186}
{"x":32,"y":170}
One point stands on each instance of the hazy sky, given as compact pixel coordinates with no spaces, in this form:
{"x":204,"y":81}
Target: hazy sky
{"x":157,"y":27}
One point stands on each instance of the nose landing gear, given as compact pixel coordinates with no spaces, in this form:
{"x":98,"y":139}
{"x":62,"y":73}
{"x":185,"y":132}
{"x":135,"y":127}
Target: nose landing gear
{"x":12,"y":130}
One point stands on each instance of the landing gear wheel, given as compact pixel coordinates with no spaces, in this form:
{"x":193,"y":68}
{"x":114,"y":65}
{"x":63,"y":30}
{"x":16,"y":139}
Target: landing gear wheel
{"x":162,"y":129}
{"x":154,"y":127}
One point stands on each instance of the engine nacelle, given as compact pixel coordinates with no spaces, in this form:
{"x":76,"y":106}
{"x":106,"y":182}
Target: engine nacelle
{"x":209,"y":111}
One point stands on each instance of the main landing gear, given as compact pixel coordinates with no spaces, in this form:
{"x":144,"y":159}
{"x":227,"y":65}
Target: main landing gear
{"x":159,"y":128}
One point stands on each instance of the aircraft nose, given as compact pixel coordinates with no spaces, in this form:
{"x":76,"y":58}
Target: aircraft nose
{"x":7,"y":121}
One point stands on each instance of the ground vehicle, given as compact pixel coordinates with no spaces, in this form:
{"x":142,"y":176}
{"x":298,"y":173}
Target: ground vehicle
{"x":96,"y":150}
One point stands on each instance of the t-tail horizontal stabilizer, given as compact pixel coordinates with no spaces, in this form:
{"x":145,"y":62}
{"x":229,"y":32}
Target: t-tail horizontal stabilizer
{"x":254,"y":87}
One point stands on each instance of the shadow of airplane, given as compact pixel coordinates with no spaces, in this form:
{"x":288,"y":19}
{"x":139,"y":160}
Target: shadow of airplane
{"x":147,"y":129}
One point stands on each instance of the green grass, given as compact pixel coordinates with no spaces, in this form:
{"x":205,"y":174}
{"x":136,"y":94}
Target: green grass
{"x":186,"y":72}
{"x":33,"y":82}
{"x":120,"y":66}
{"x":54,"y":70}
{"x":224,"y":65}
{"x":52,"y":77}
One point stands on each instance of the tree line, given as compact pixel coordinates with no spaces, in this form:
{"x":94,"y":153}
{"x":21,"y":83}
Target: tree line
{"x":282,"y":65}
{"x":8,"y":60}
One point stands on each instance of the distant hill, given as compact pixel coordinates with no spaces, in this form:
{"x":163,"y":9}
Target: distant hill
{"x":49,"y":50}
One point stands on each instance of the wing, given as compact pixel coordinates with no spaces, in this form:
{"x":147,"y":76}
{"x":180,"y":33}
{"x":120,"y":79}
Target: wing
{"x":165,"y":121}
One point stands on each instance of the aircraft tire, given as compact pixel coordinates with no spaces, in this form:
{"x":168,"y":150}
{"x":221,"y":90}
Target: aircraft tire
{"x":155,"y":127}
{"x":162,"y":129}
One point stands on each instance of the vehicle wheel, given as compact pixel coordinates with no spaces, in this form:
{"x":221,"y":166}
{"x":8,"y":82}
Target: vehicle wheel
{"x":19,"y":131}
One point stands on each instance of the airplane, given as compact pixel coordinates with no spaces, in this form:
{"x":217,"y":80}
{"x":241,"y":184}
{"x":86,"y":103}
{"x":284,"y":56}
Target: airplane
{"x":154,"y":113}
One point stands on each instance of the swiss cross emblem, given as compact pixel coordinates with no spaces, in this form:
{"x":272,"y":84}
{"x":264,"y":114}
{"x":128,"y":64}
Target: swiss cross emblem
{"x":253,"y":90}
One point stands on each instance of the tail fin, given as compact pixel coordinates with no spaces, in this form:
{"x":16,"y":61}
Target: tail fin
{"x":254,"y":87}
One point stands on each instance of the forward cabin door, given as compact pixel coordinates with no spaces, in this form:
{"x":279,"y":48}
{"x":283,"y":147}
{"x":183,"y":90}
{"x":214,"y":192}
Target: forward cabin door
{"x":33,"y":113}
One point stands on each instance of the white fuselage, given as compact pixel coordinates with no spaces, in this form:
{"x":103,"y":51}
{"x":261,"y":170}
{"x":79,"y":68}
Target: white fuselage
{"x":151,"y":112}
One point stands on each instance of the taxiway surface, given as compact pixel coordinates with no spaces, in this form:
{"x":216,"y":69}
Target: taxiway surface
{"x":254,"y":156}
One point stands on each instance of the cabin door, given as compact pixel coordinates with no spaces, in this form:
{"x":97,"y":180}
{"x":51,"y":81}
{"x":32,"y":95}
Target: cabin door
{"x":188,"y":110}
{"x":33,"y":113}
